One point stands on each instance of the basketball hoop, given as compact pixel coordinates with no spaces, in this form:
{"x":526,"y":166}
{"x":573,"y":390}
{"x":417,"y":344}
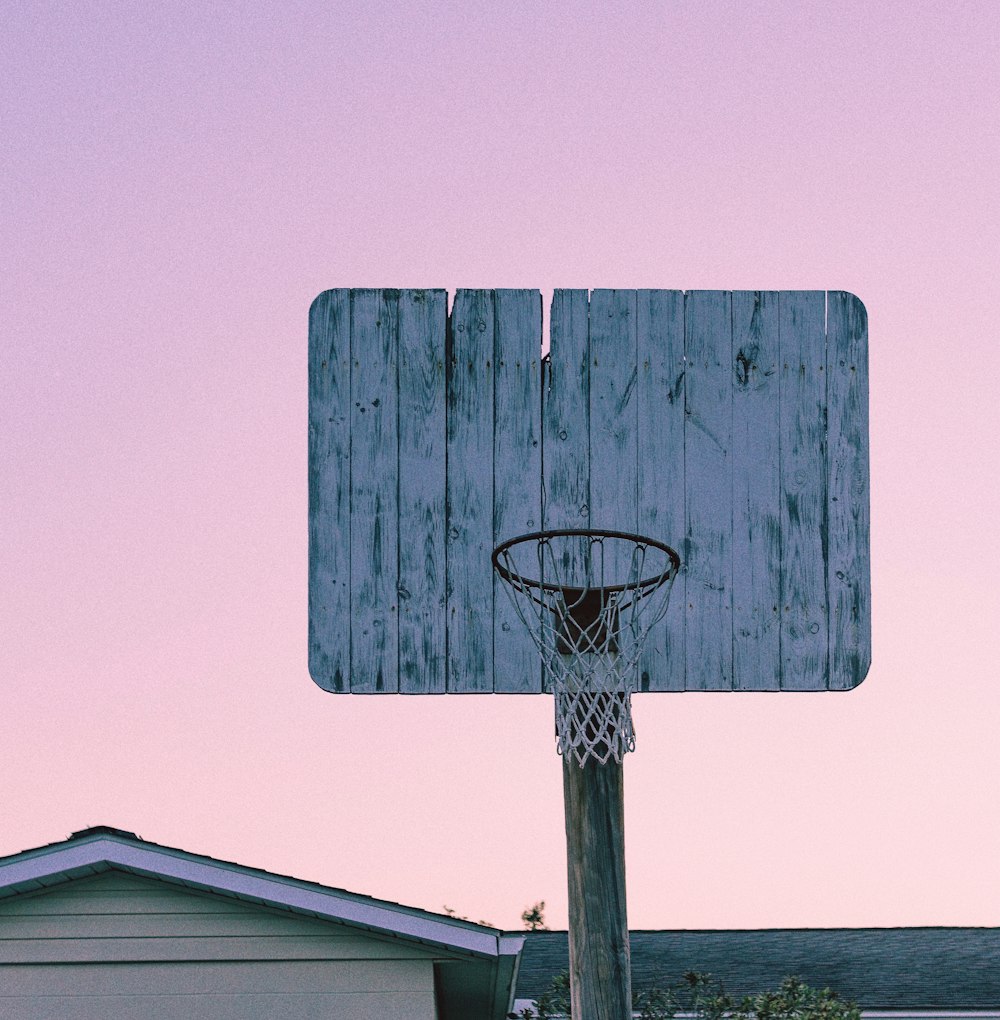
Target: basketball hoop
{"x":589,"y":600}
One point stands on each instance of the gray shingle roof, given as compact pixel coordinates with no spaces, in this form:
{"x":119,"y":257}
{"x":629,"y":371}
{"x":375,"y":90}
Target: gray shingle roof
{"x":879,"y":968}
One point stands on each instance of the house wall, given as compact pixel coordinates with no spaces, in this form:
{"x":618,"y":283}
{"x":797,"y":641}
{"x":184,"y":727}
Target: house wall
{"x":116,"y":945}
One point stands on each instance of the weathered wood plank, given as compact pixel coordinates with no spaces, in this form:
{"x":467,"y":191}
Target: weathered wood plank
{"x":566,"y":414}
{"x":660,"y":394}
{"x":470,"y":493}
{"x":756,"y":493}
{"x":614,"y":472}
{"x":329,"y":490}
{"x":374,"y":491}
{"x":517,"y":461}
{"x":848,"y":569}
{"x":708,"y":491}
{"x":804,"y":627}
{"x":422,"y":485}
{"x":566,"y":425}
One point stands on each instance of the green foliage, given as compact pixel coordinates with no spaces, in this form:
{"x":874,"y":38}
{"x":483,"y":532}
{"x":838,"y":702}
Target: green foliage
{"x":534,"y":917}
{"x":795,"y":1000}
{"x":655,"y":1004}
{"x":553,"y":1002}
{"x":700,"y":997}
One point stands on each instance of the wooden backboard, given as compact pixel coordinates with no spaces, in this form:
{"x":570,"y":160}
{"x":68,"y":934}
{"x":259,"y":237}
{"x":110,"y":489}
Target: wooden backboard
{"x":732,"y":425}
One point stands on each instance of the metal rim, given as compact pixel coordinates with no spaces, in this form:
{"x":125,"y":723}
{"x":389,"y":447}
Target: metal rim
{"x":543,"y":536}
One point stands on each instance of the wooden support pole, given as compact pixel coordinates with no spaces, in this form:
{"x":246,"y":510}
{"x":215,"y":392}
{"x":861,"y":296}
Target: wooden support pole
{"x":599,"y":961}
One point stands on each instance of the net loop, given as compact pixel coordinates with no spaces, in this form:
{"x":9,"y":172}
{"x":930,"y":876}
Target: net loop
{"x":589,"y":599}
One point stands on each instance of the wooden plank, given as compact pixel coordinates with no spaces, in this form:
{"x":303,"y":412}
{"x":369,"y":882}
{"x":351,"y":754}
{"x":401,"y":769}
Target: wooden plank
{"x":329,"y":490}
{"x":517,"y":461}
{"x":374,"y":490}
{"x":566,"y":414}
{"x":566,"y":427}
{"x":660,"y":395}
{"x":756,"y":549}
{"x":422,"y":485}
{"x":614,"y":475}
{"x":599,"y":960}
{"x":804,"y":625}
{"x":470,"y":493}
{"x":708,"y":491}
{"x":849,"y":566}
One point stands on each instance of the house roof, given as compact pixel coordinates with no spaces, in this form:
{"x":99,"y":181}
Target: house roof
{"x":101,"y":848}
{"x":878,"y":968}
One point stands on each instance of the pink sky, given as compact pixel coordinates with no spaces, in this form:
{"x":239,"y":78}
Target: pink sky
{"x":179,"y":181}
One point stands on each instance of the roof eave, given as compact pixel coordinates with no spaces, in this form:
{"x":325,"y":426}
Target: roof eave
{"x":36,"y":869}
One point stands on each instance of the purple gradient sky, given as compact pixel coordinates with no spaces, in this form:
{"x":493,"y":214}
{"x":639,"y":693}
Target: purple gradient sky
{"x":179,"y":181}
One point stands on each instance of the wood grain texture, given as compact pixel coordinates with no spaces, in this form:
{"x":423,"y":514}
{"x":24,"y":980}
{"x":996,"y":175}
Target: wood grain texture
{"x":804,"y":628}
{"x":614,"y":473}
{"x":708,"y":491}
{"x":329,"y":490}
{"x":422,"y":489}
{"x":848,"y":568}
{"x":599,"y":959}
{"x":566,"y":425}
{"x":566,"y":414}
{"x":733,"y":427}
{"x":660,"y":413}
{"x":756,"y":550}
{"x":470,"y":493}
{"x":517,"y":463}
{"x":374,"y":491}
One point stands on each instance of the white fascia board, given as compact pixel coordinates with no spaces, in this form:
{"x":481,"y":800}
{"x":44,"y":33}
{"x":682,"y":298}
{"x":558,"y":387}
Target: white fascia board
{"x":511,"y":945}
{"x":506,"y":974}
{"x":79,"y":857}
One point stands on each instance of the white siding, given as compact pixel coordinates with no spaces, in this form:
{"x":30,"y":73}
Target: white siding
{"x":116,"y":946}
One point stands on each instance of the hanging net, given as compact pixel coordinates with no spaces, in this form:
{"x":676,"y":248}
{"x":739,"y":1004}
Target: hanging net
{"x":589,"y":600}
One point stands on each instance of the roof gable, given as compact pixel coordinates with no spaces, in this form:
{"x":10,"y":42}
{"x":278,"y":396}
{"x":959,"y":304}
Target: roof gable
{"x":102,"y":849}
{"x":145,"y":918}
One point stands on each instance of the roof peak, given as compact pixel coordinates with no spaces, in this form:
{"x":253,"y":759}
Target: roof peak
{"x":105,"y":830}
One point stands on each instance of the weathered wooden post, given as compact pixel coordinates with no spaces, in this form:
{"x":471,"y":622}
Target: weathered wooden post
{"x":599,"y":958}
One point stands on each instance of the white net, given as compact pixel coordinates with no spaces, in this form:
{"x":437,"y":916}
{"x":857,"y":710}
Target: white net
{"x":589,"y":600}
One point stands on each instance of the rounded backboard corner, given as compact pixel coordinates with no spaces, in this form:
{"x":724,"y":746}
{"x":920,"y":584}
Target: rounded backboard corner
{"x":318,"y":301}
{"x":858,"y":308}
{"x":319,"y":673}
{"x":860,"y":674}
